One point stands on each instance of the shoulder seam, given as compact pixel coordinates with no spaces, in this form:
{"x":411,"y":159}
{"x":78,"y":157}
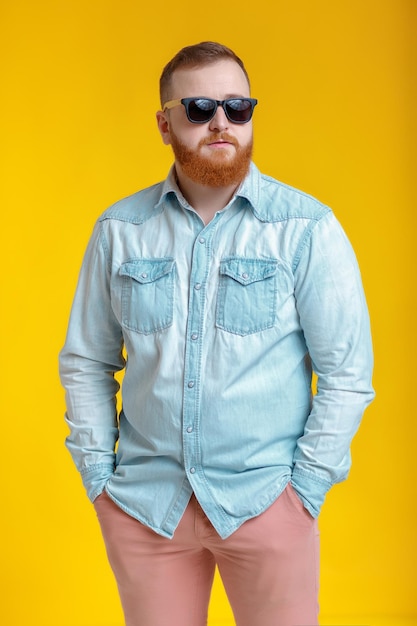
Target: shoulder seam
{"x":307,"y":235}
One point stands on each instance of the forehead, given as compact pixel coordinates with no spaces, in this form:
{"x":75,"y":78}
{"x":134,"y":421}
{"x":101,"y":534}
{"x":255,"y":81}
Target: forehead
{"x":217,"y":80}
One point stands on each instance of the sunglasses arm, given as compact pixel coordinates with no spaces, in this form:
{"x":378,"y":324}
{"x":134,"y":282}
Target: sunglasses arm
{"x":171,"y":104}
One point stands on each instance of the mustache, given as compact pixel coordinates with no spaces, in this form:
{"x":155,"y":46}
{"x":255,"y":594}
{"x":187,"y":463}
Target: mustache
{"x":219,"y":137}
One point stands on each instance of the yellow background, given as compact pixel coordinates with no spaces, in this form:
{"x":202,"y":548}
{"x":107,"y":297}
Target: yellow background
{"x":79,"y":91}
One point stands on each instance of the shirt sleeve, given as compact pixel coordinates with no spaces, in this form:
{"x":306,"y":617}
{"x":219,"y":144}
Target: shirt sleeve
{"x":334,"y":318}
{"x":88,"y":361}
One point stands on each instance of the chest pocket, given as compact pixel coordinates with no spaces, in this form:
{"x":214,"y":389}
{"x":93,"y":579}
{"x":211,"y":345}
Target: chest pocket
{"x":246,"y":299}
{"x":147,"y":294}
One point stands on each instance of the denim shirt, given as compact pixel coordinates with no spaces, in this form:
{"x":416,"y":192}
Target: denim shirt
{"x":218,"y":328}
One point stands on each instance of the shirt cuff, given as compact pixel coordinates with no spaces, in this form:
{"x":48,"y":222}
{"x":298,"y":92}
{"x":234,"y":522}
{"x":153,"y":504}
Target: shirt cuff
{"x":311,"y":490}
{"x":95,"y":479}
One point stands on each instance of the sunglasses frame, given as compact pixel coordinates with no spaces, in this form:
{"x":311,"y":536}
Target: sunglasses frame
{"x":223,"y":103}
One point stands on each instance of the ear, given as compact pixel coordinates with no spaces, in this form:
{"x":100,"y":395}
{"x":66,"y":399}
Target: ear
{"x":163,"y":126}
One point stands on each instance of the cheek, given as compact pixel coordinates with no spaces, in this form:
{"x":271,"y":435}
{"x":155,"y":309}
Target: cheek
{"x":190,"y":135}
{"x":245,"y":135}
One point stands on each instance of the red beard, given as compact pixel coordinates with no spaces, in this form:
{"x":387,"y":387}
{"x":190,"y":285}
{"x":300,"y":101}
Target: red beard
{"x":217,"y":170}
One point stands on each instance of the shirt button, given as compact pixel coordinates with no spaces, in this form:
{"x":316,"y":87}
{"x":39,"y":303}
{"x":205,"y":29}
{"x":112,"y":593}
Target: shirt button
{"x":144,"y":275}
{"x":191,"y":384}
{"x":194,"y":336}
{"x":197,"y":286}
{"x":202,"y":240}
{"x":245,"y":275}
{"x":190,"y":429}
{"x":192,"y":470}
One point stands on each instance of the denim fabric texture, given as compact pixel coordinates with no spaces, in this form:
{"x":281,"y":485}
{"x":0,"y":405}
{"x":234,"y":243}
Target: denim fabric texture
{"x":218,"y":328}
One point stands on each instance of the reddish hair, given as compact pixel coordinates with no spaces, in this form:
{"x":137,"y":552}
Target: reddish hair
{"x":196,"y":55}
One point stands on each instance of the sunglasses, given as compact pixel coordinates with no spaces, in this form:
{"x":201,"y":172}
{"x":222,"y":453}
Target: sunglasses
{"x":202,"y":110}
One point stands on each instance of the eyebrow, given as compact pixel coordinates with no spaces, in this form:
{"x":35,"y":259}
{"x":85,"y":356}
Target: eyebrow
{"x":226,"y":97}
{"x":235,"y":95}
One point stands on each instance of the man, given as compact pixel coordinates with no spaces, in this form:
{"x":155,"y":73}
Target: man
{"x":225,"y":288}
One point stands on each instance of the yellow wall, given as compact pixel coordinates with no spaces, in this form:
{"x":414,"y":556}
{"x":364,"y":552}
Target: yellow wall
{"x":79,"y":92}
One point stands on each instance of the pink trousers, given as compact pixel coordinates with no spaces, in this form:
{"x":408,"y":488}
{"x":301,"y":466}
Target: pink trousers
{"x":269,"y":566}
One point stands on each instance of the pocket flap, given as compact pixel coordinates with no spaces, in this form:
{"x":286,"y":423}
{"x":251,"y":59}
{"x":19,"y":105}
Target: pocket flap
{"x":147,"y":270}
{"x":246,"y":271}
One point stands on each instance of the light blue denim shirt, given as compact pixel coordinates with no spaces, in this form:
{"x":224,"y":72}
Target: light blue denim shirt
{"x":222,"y":325}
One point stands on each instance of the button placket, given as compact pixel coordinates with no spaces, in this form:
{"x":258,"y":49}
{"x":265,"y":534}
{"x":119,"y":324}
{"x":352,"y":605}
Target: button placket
{"x":191,"y":417}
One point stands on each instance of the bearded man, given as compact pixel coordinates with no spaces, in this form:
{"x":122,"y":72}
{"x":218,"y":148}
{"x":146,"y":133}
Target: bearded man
{"x":226,"y":289}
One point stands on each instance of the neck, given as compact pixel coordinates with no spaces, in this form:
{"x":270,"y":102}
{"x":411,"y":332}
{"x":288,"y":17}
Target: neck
{"x":206,"y":201}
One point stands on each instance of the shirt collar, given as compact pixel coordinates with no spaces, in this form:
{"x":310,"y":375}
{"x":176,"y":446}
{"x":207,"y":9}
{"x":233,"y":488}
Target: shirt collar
{"x":169,"y":187}
{"x":248,"y":189}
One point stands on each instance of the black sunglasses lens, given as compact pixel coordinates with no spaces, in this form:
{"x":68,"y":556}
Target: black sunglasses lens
{"x":201,"y":109}
{"x":239,"y":110}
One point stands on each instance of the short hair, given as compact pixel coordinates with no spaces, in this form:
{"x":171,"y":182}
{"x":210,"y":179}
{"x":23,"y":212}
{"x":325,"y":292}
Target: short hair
{"x":196,"y":55}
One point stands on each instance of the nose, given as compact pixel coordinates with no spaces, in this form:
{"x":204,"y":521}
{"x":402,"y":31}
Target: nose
{"x":219,"y":121}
